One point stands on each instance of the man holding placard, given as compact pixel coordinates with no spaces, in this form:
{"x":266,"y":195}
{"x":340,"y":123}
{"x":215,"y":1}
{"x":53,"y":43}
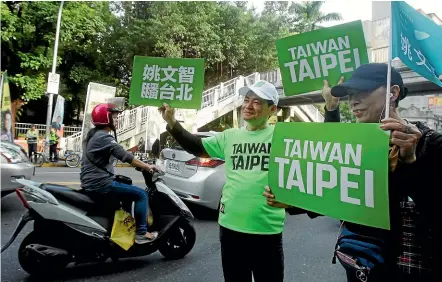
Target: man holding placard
{"x":406,"y":251}
{"x":250,"y":230}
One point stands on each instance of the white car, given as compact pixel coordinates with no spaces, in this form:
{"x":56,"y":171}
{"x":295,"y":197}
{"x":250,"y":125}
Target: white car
{"x":193,"y":179}
{"x":14,"y":164}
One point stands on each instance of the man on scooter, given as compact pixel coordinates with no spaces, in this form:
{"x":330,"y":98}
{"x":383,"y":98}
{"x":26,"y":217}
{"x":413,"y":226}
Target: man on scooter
{"x":97,"y":170}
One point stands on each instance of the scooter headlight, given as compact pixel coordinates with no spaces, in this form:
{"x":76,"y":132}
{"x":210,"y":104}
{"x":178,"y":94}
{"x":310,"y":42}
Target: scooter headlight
{"x":180,"y":203}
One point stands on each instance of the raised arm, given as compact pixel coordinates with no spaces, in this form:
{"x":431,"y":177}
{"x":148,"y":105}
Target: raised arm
{"x":189,"y":142}
{"x":331,"y":103}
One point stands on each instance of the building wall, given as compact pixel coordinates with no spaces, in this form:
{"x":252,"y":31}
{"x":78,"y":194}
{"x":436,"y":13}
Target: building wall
{"x":416,"y":109}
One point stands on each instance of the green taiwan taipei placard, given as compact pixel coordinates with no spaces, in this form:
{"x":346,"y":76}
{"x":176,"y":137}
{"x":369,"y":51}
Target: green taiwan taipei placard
{"x":307,"y":59}
{"x":334,"y":169}
{"x":178,"y":82}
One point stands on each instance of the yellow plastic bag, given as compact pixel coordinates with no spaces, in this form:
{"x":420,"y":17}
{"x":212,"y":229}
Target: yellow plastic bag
{"x":123,"y":229}
{"x":149,"y":217}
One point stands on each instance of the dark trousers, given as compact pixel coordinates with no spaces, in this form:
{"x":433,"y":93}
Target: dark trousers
{"x":53,"y":153}
{"x":32,"y":148}
{"x":246,"y":254}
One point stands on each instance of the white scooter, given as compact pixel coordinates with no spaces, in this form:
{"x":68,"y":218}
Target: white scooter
{"x":71,"y":227}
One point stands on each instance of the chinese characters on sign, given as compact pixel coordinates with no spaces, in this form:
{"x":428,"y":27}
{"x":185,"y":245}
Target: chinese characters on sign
{"x":416,"y":41}
{"x":406,"y":48}
{"x":435,"y":102}
{"x":178,"y":82}
{"x":152,"y":79}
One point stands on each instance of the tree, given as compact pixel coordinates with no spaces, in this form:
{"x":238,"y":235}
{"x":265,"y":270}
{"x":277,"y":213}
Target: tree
{"x":99,"y":40}
{"x":309,"y":16}
{"x":27,"y":29}
{"x":28,"y":33}
{"x":83,"y":27}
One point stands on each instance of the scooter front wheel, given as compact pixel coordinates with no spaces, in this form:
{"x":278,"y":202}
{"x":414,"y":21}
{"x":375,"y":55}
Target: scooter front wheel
{"x":35,"y":264}
{"x":179,"y":242}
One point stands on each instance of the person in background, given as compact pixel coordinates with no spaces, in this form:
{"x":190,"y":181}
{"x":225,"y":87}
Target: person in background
{"x":250,"y":230}
{"x":53,"y":142}
{"x":6,"y":133}
{"x":156,"y":149}
{"x":169,"y":141}
{"x":32,"y":139}
{"x":408,"y":251}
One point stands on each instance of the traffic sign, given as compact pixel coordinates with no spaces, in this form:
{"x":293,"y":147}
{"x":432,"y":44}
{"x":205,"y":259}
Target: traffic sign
{"x":53,"y":83}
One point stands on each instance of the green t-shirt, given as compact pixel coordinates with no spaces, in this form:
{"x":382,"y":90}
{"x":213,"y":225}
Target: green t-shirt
{"x":243,"y":207}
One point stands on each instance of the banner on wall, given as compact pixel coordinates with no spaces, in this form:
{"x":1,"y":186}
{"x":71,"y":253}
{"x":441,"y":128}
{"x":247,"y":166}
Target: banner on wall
{"x":57,"y":118}
{"x":435,"y":102}
{"x":6,"y":114}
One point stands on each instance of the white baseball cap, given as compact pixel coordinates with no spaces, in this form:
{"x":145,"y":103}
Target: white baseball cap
{"x":262,"y":89}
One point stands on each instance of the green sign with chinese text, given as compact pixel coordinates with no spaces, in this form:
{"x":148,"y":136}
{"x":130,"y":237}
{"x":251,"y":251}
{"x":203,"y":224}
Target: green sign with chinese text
{"x":177,"y":82}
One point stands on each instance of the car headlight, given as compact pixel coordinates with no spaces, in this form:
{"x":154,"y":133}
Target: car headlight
{"x":10,"y":156}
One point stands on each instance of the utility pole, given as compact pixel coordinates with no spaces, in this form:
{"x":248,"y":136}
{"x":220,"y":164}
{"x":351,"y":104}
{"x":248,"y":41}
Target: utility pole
{"x":54,"y":65}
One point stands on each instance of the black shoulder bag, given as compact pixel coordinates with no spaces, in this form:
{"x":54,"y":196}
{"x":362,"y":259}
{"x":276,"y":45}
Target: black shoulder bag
{"x":119,"y":178}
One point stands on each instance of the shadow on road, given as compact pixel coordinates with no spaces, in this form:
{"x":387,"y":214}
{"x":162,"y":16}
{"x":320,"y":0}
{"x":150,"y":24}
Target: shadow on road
{"x":203,"y":213}
{"x":91,"y":270}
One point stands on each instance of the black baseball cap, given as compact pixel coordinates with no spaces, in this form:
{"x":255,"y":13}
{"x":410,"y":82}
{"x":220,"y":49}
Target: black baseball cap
{"x":368,"y":78}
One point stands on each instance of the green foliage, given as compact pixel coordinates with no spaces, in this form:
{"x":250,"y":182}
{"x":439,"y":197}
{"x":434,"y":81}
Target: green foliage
{"x":33,"y":85}
{"x":98,"y":40}
{"x":344,"y":110}
{"x":309,"y":16}
{"x":346,"y":114}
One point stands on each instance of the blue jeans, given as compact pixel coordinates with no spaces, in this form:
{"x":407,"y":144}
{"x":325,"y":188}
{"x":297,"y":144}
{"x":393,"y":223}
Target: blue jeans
{"x":130,"y":193}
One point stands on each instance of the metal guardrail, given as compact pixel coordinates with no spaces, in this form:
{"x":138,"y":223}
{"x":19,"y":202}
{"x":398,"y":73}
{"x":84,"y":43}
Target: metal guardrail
{"x":126,"y":121}
{"x":73,"y":142}
{"x":22,"y":129}
{"x":144,"y":114}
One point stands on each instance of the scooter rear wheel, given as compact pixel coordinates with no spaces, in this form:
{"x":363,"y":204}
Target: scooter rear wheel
{"x":179,"y":242}
{"x":33,"y":265}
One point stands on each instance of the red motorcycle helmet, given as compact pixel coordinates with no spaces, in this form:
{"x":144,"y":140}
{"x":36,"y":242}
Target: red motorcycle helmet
{"x":102,"y":114}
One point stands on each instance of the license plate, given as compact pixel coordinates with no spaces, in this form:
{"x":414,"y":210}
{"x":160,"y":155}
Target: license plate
{"x":173,"y":166}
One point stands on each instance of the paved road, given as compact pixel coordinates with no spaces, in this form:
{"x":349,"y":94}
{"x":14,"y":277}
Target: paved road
{"x":308,"y":246}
